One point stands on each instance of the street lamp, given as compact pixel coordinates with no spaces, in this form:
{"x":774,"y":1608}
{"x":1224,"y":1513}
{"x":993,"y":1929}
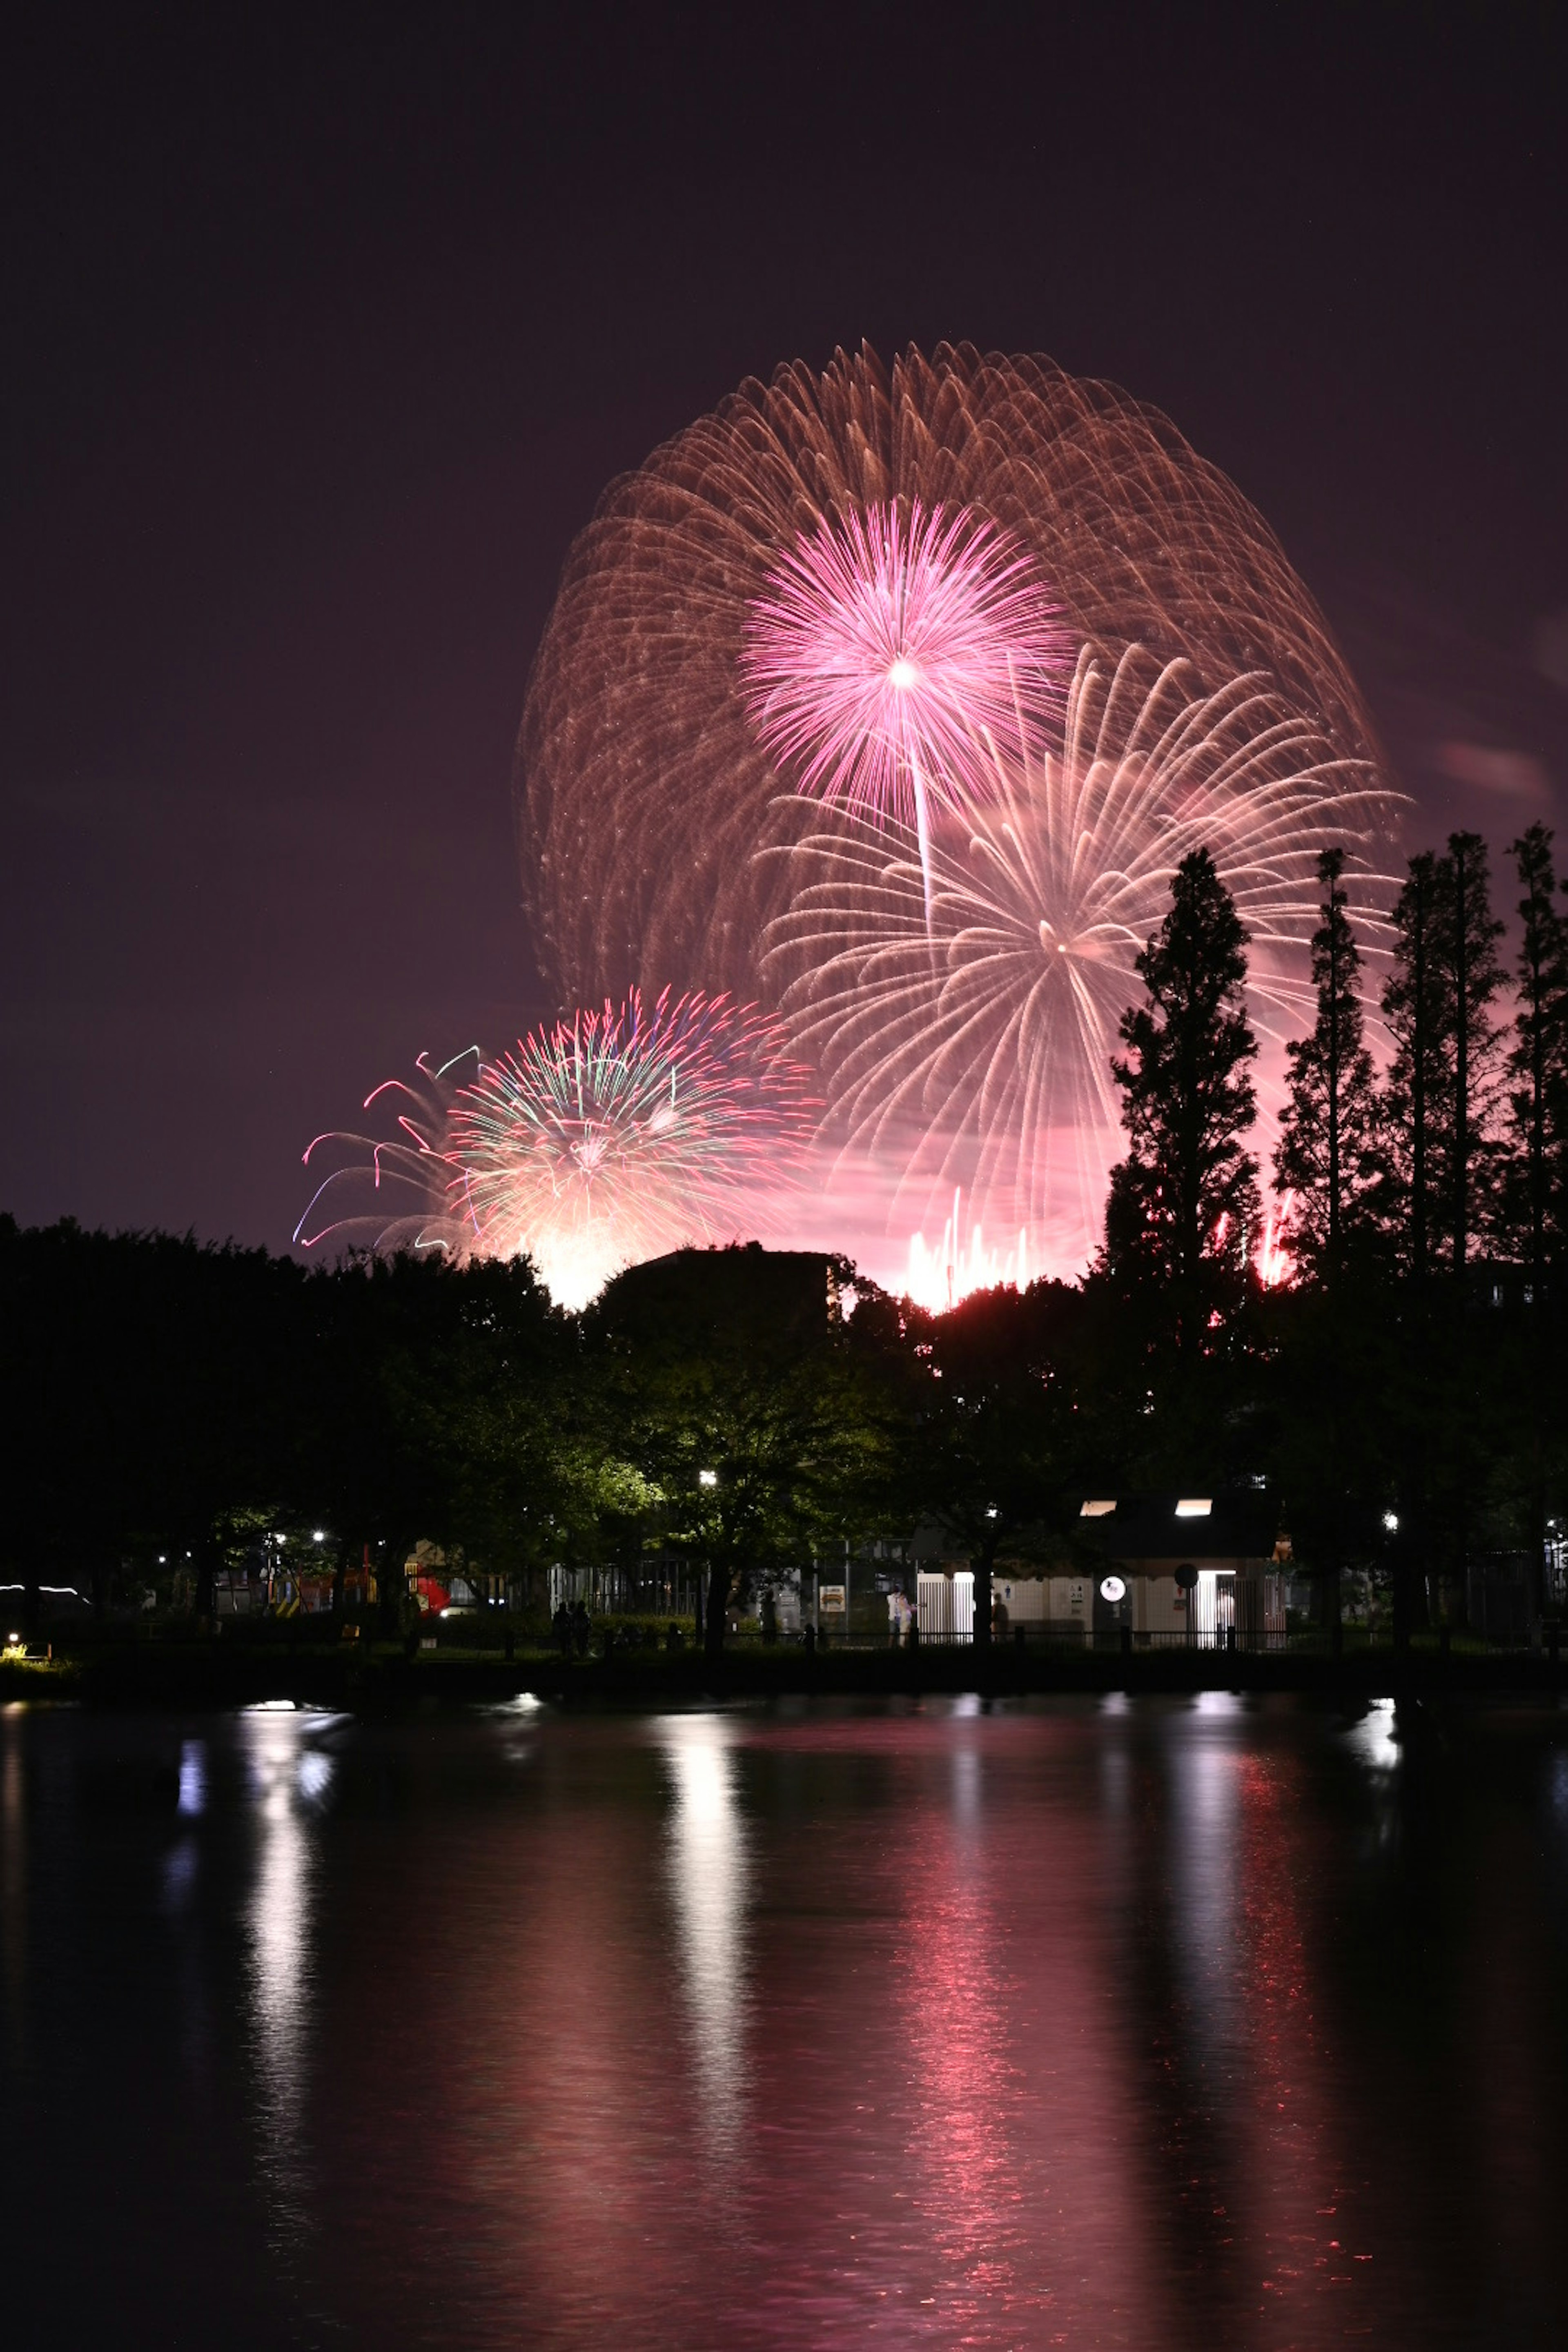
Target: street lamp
{"x":1391,"y":1521}
{"x":708,"y":1477}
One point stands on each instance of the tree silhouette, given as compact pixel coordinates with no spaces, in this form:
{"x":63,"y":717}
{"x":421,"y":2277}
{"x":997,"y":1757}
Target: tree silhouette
{"x":1329,"y":1153}
{"x":1184,"y":1207}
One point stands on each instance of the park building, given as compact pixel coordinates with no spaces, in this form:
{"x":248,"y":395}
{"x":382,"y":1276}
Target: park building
{"x":1155,"y":1569}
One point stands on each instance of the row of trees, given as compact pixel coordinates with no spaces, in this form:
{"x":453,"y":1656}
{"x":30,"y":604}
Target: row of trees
{"x":166,"y":1400}
{"x":1410,"y":1364}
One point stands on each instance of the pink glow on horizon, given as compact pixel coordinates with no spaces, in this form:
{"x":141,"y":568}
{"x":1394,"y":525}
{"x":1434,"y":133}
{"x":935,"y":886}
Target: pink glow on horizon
{"x":960,"y":1263}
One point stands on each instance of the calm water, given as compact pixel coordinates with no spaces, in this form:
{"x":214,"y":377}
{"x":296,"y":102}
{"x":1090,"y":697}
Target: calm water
{"x":1098,"y":2023}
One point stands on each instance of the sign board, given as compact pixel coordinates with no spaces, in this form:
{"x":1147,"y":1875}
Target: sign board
{"x":831,"y":1597}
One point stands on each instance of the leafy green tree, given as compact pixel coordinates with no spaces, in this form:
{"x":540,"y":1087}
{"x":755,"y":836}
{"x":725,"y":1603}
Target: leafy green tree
{"x":733,"y":1388}
{"x":438,"y":1410}
{"x":1329,"y":1154}
{"x":1182,"y":1212}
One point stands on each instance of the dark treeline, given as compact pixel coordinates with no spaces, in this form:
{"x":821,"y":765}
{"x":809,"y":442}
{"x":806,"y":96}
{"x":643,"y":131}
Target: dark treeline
{"x":1401,"y":1391}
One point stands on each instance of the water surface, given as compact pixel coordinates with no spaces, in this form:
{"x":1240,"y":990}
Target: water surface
{"x":1145,"y":2023}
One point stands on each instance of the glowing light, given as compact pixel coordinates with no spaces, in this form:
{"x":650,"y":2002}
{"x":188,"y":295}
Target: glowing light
{"x":1195,"y":1507}
{"x":609,"y":1139}
{"x":708,"y":1477}
{"x":710,"y":1871}
{"x":1275,"y":1265}
{"x":1375,"y":1738}
{"x":960,"y":1264}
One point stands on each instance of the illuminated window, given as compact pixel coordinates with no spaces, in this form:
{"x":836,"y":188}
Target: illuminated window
{"x":1097,"y":1510}
{"x":1193,"y":1507}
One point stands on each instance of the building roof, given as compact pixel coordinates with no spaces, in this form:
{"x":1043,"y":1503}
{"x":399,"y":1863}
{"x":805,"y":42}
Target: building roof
{"x":1240,"y":1524}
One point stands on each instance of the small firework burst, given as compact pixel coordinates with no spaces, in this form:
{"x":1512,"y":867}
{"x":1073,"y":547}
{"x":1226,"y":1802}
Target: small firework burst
{"x":626,"y":1132}
{"x":606,"y":1139}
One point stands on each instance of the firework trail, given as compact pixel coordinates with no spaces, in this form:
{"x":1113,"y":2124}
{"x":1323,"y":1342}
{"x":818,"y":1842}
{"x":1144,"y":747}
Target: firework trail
{"x":610,"y":1139}
{"x":883,"y":647}
{"x":717,"y":617}
{"x":965,"y":1038}
{"x":392,"y":1191}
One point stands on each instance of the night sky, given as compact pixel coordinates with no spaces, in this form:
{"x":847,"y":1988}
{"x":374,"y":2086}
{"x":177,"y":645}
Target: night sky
{"x":324,"y":332}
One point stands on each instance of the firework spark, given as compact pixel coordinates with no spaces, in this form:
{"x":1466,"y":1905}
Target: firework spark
{"x":605,"y":1140}
{"x":685,"y":684}
{"x":883,"y":647}
{"x":968,"y":1041}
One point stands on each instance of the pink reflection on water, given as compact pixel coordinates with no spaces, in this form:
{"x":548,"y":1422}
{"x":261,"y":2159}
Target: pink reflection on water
{"x":729,"y":2029}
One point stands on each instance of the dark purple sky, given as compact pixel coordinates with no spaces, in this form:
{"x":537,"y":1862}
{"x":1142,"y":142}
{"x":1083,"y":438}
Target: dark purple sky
{"x":324,"y":336}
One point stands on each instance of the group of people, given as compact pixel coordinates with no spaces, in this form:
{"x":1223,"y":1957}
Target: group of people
{"x":570,"y":1628}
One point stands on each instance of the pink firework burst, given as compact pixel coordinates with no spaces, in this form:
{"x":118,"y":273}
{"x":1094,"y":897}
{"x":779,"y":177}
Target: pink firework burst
{"x":887,"y":644}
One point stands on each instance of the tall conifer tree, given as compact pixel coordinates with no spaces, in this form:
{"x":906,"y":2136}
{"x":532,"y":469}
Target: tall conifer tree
{"x":1414,"y":1007}
{"x":1538,"y":1060}
{"x":1182,"y":1211}
{"x":1329,"y":1153}
{"x":1467,"y":937}
{"x":1444,"y":1084}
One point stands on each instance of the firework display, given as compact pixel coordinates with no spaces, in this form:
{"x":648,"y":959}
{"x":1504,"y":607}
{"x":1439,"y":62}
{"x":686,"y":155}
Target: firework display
{"x":891,"y":699}
{"x":613,"y":1137}
{"x":961,"y":998}
{"x":669,"y":730}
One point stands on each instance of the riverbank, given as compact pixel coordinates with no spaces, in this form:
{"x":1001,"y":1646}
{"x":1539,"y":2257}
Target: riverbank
{"x":385,"y":1679}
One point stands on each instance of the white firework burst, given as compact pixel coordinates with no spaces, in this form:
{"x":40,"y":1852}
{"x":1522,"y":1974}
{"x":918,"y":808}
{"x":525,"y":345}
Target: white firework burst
{"x":965,"y":1033}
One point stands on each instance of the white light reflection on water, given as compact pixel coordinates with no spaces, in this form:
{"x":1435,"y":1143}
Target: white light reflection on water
{"x":1205,"y":1783}
{"x":288,"y":1777}
{"x":193,"y":1777}
{"x":1375,"y":1739}
{"x":710,"y":1869}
